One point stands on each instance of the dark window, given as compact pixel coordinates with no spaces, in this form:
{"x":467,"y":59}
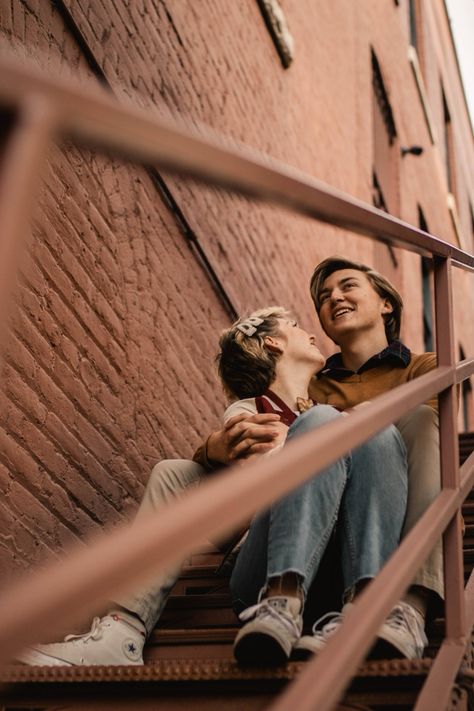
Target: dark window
{"x":385,"y":167}
{"x":426,"y":281}
{"x":466,"y":395}
{"x":472,"y":226}
{"x":448,"y":143}
{"x":412,"y":20}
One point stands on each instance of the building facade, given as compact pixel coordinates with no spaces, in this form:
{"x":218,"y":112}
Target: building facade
{"x":132,"y":274}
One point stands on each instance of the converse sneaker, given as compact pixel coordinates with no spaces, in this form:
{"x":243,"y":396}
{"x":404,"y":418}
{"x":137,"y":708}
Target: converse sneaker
{"x":401,"y":635}
{"x":274,"y":627}
{"x":115,"y":639}
{"x":323,"y":629}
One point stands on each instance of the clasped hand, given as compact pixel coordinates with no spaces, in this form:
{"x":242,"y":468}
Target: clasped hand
{"x":246,"y":436}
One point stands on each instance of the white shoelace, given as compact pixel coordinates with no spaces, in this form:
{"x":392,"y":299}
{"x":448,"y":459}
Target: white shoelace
{"x":95,"y":631}
{"x":335,"y":620}
{"x":263,"y":609}
{"x":404,"y":618}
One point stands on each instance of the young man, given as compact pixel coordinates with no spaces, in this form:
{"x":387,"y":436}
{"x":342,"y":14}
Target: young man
{"x":347,"y":296}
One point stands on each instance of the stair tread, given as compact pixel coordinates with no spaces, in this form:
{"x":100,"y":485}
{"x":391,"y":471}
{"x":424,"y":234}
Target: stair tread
{"x":193,"y":670}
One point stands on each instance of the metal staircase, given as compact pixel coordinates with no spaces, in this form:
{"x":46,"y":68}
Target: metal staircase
{"x":189,"y":662}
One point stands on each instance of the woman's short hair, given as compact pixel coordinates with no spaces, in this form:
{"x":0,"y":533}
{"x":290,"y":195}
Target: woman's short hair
{"x":381,"y":284}
{"x":246,"y":366}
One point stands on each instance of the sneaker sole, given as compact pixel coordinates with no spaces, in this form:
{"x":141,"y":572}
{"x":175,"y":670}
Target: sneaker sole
{"x":256,"y":649}
{"x":35,"y":658}
{"x":383,"y":649}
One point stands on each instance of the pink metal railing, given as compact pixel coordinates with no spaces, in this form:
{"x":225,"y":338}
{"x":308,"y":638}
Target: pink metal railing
{"x":88,"y":575}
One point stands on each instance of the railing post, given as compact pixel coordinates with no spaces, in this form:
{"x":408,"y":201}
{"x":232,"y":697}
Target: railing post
{"x":449,"y":451}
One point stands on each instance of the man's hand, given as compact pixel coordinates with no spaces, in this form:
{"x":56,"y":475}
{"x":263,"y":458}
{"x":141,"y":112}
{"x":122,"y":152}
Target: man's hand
{"x":245,"y":435}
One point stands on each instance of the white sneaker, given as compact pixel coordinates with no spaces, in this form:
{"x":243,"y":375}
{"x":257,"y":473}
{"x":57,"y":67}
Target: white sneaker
{"x":114,"y":640}
{"x":401,"y":635}
{"x":323,"y":629}
{"x":269,"y":637}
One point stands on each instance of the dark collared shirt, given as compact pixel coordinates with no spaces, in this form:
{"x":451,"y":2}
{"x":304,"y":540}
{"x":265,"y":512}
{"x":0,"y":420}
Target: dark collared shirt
{"x":396,"y":353}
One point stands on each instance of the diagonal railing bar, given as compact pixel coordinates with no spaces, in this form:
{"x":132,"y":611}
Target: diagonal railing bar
{"x":464,"y":369}
{"x":437,"y":688}
{"x":66,"y":590}
{"x":23,"y":158}
{"x":467,"y":476}
{"x":95,"y":117}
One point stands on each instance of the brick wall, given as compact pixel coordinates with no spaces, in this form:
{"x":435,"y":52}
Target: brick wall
{"x":109,"y":363}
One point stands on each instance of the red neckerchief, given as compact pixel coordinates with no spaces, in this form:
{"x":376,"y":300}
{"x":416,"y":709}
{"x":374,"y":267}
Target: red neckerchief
{"x":287,"y":416}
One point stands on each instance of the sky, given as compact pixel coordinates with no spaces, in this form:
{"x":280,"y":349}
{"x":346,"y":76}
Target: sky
{"x":461,"y":13}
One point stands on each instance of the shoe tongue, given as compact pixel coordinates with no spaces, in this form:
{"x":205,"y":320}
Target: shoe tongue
{"x":285,"y":604}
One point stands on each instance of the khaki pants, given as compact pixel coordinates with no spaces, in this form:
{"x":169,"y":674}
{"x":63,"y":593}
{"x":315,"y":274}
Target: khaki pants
{"x":420,"y":432}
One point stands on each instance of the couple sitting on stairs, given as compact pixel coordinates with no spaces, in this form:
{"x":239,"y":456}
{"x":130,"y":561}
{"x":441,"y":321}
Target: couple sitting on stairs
{"x":282,"y":388}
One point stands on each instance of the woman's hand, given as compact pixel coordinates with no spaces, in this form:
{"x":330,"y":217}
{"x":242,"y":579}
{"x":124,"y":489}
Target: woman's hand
{"x":245,"y":435}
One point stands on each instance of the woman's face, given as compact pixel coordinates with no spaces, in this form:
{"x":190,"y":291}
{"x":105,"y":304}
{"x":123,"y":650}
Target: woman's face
{"x":298,"y":344}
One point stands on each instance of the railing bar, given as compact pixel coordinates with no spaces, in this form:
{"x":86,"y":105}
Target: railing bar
{"x":436,"y":690}
{"x":467,"y":477}
{"x":88,"y":576}
{"x":449,"y":451}
{"x":464,"y":369}
{"x":24,"y":154}
{"x":97,"y":118}
{"x":339,"y":660}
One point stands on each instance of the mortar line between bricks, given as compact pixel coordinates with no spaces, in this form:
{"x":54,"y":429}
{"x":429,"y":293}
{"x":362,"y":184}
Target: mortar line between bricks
{"x":76,"y":258}
{"x":54,"y":287}
{"x":41,"y":496}
{"x":106,"y":436}
{"x":76,"y":436}
{"x":66,"y":454}
{"x":166,"y":195}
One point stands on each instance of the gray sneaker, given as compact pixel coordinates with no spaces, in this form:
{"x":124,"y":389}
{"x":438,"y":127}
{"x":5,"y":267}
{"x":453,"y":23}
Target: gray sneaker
{"x":274,"y":627}
{"x":113,"y":640}
{"x":323,"y":629}
{"x":401,"y":635}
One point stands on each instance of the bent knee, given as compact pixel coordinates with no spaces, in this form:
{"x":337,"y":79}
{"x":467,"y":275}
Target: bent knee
{"x":315,"y":417}
{"x":172,"y":476}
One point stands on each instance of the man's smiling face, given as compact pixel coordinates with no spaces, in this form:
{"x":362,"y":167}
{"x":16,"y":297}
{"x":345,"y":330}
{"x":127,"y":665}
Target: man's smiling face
{"x":350,"y":304}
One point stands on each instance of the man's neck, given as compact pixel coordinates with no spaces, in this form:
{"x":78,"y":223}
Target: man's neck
{"x":292,"y":383}
{"x":357,"y":350}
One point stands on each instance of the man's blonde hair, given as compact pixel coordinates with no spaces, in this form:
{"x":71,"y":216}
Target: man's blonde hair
{"x":381,"y":285}
{"x":246,"y":366}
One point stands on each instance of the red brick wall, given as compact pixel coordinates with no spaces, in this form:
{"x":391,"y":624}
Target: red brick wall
{"x":109,"y":364}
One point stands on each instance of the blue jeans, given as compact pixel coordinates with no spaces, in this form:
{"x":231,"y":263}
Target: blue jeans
{"x":365,"y":493}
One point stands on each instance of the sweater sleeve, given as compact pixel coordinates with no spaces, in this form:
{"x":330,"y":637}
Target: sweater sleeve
{"x":424,"y":363}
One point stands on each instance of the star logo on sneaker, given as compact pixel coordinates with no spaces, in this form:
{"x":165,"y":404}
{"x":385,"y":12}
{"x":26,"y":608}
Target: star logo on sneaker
{"x":130,"y":649}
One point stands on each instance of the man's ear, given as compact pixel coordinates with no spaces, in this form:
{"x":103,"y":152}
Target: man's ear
{"x":273,"y":344}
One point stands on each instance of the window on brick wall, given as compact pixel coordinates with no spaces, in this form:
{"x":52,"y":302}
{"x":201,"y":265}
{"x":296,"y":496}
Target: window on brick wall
{"x":412,"y":23}
{"x":448,"y":146}
{"x":385,"y":164}
{"x":466,"y":398}
{"x":427,"y":290}
{"x":471,"y":212}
